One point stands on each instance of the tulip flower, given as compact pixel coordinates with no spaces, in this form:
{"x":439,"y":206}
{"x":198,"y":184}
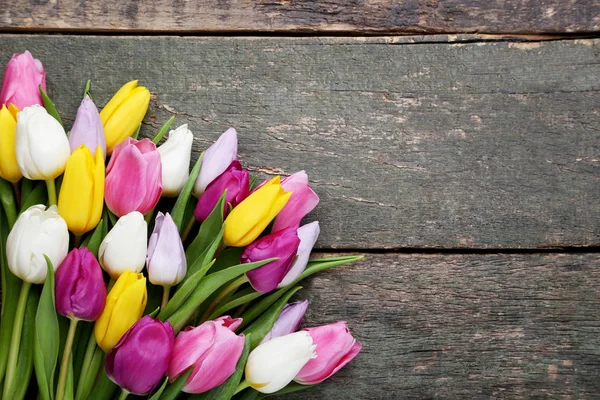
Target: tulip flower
{"x":335,"y":348}
{"x":87,"y":128}
{"x":303,"y":201}
{"x":9,"y":169}
{"x":37,"y":232}
{"x":125,"y":304}
{"x":175,"y":156}
{"x":308,"y":235}
{"x":288,"y":321}
{"x":22,"y":79}
{"x":166,"y":255}
{"x":247,"y":221}
{"x":80,"y":287}
{"x":124,"y":113}
{"x":274,"y":364}
{"x":81,"y":196}
{"x":216,"y":159}
{"x":139,"y":361}
{"x":42,"y":146}
{"x":283,"y":245}
{"x":133,"y":177}
{"x":235,"y":180}
{"x":212,"y":348}
{"x":124,"y":248}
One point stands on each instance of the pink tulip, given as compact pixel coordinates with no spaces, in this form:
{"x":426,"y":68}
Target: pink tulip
{"x":284,"y":245}
{"x":87,"y":128}
{"x":133,"y":177}
{"x":303,"y":201}
{"x":212,"y":348}
{"x":22,"y":78}
{"x":140,"y":360}
{"x":335,"y":348}
{"x":288,"y":321}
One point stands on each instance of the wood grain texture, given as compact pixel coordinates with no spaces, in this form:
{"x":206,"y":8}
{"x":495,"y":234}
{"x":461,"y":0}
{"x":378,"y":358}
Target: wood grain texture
{"x":464,"y":326}
{"x":471,"y":145}
{"x":374,"y":16}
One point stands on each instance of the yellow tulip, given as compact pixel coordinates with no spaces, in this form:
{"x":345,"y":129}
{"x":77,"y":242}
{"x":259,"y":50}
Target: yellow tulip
{"x":9,"y":169}
{"x":247,"y":221}
{"x":124,"y":113}
{"x":125,"y":304}
{"x":81,"y":195}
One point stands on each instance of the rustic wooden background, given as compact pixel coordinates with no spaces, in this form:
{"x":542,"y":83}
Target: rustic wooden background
{"x":463,"y":160}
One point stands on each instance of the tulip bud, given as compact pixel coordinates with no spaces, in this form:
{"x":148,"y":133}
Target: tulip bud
{"x":283,"y":245}
{"x":42,"y":146}
{"x":22,"y":79}
{"x":124,"y":248}
{"x":87,"y":128}
{"x":175,"y":156}
{"x":288,"y":321}
{"x":166,"y":255}
{"x":81,"y":197}
{"x":36,"y":233}
{"x":235,"y":180}
{"x":212,"y":348}
{"x":133,"y":177}
{"x":124,"y":113}
{"x":303,"y":201}
{"x":216,"y":159}
{"x":80,"y":287}
{"x":9,"y":169}
{"x":247,"y":221}
{"x":335,"y":348}
{"x":308,"y":235}
{"x":125,"y":304}
{"x":273,"y":364}
{"x":139,"y":361}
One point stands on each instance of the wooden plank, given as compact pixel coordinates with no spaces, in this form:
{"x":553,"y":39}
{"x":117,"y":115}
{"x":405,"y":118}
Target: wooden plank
{"x":464,"y":326}
{"x":471,"y":145}
{"x":375,"y":16}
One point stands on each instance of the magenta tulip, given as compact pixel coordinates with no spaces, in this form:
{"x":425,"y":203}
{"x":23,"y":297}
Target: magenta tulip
{"x":80,"y":287}
{"x":87,"y":128}
{"x":288,"y":321}
{"x":140,"y":360}
{"x":235,"y":180}
{"x":166,"y":256}
{"x":212,"y":348}
{"x":303,"y":201}
{"x":335,"y":348}
{"x":283,"y":245}
{"x":133,"y":177}
{"x":22,"y":79}
{"x":216,"y":159}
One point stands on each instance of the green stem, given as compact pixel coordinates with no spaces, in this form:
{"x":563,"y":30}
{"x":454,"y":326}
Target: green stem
{"x":64,"y":366}
{"x":77,"y":241}
{"x":15,"y":340}
{"x":232,"y":287}
{"x":165,"y":298}
{"x":243,"y":385}
{"x":123,"y":395}
{"x":188,"y":228}
{"x":149,"y":215}
{"x":87,"y":360}
{"x":51,"y":192}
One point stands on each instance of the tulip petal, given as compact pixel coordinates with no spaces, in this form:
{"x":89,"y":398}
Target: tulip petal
{"x":125,"y":186}
{"x":117,"y":100}
{"x":191,"y":346}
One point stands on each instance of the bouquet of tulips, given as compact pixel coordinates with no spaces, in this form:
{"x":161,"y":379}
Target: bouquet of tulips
{"x":224,"y":256}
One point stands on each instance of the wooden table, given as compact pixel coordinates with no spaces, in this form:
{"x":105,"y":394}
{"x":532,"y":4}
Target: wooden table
{"x":464,"y":161}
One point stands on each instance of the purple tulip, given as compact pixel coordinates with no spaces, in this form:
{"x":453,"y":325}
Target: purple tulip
{"x":87,"y":128}
{"x":22,"y":79}
{"x":303,"y":201}
{"x":235,"y":180}
{"x":140,"y":360}
{"x":284,"y":245}
{"x":216,"y":159}
{"x":80,"y":287}
{"x":308,"y":235}
{"x":288,"y":321}
{"x":166,"y":255}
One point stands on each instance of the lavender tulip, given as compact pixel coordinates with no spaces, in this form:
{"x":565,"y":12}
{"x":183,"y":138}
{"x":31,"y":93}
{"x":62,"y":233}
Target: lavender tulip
{"x":308,"y":235}
{"x":87,"y":128}
{"x":216,"y":159}
{"x":166,"y":256}
{"x":288,"y":321}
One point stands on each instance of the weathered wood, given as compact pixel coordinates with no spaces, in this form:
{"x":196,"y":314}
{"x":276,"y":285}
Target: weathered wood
{"x":381,"y":16}
{"x":464,"y":326}
{"x":472,"y":145}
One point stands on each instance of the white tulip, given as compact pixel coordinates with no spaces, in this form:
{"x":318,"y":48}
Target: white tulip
{"x":308,"y":235}
{"x":42,"y":146}
{"x":125,"y":246}
{"x":175,"y":156}
{"x":273,"y":364}
{"x":216,"y":159}
{"x":37,"y":232}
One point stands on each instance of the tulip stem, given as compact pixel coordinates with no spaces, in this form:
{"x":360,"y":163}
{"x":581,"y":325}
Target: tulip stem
{"x":51,"y":192}
{"x":76,"y":241}
{"x":243,"y":385}
{"x":232,"y":287}
{"x":124,"y":394}
{"x":165,"y":298}
{"x":64,"y":366}
{"x":15,"y":340}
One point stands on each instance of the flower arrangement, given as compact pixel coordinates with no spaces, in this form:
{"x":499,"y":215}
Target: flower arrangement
{"x":223,"y":259}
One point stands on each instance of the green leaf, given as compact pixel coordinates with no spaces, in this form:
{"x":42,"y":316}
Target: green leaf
{"x":26,"y":188}
{"x":163,"y":130}
{"x":291,"y":388}
{"x":332,"y":259}
{"x":228,"y":257}
{"x":248,"y":394}
{"x":258,"y":308}
{"x":112,"y":217}
{"x":84,"y":330}
{"x":92,"y":242}
{"x":86,"y":383}
{"x":154,"y":313}
{"x":7,"y":199}
{"x":87,"y":88}
{"x":208,"y":230}
{"x":236,"y":301}
{"x":180,"y":205}
{"x":136,"y":134}
{"x":172,"y":391}
{"x":69,"y":386}
{"x":38,"y":195}
{"x":160,"y":390}
{"x":104,"y":388}
{"x":49,"y":106}
{"x":253,"y":181}
{"x":47,"y":334}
